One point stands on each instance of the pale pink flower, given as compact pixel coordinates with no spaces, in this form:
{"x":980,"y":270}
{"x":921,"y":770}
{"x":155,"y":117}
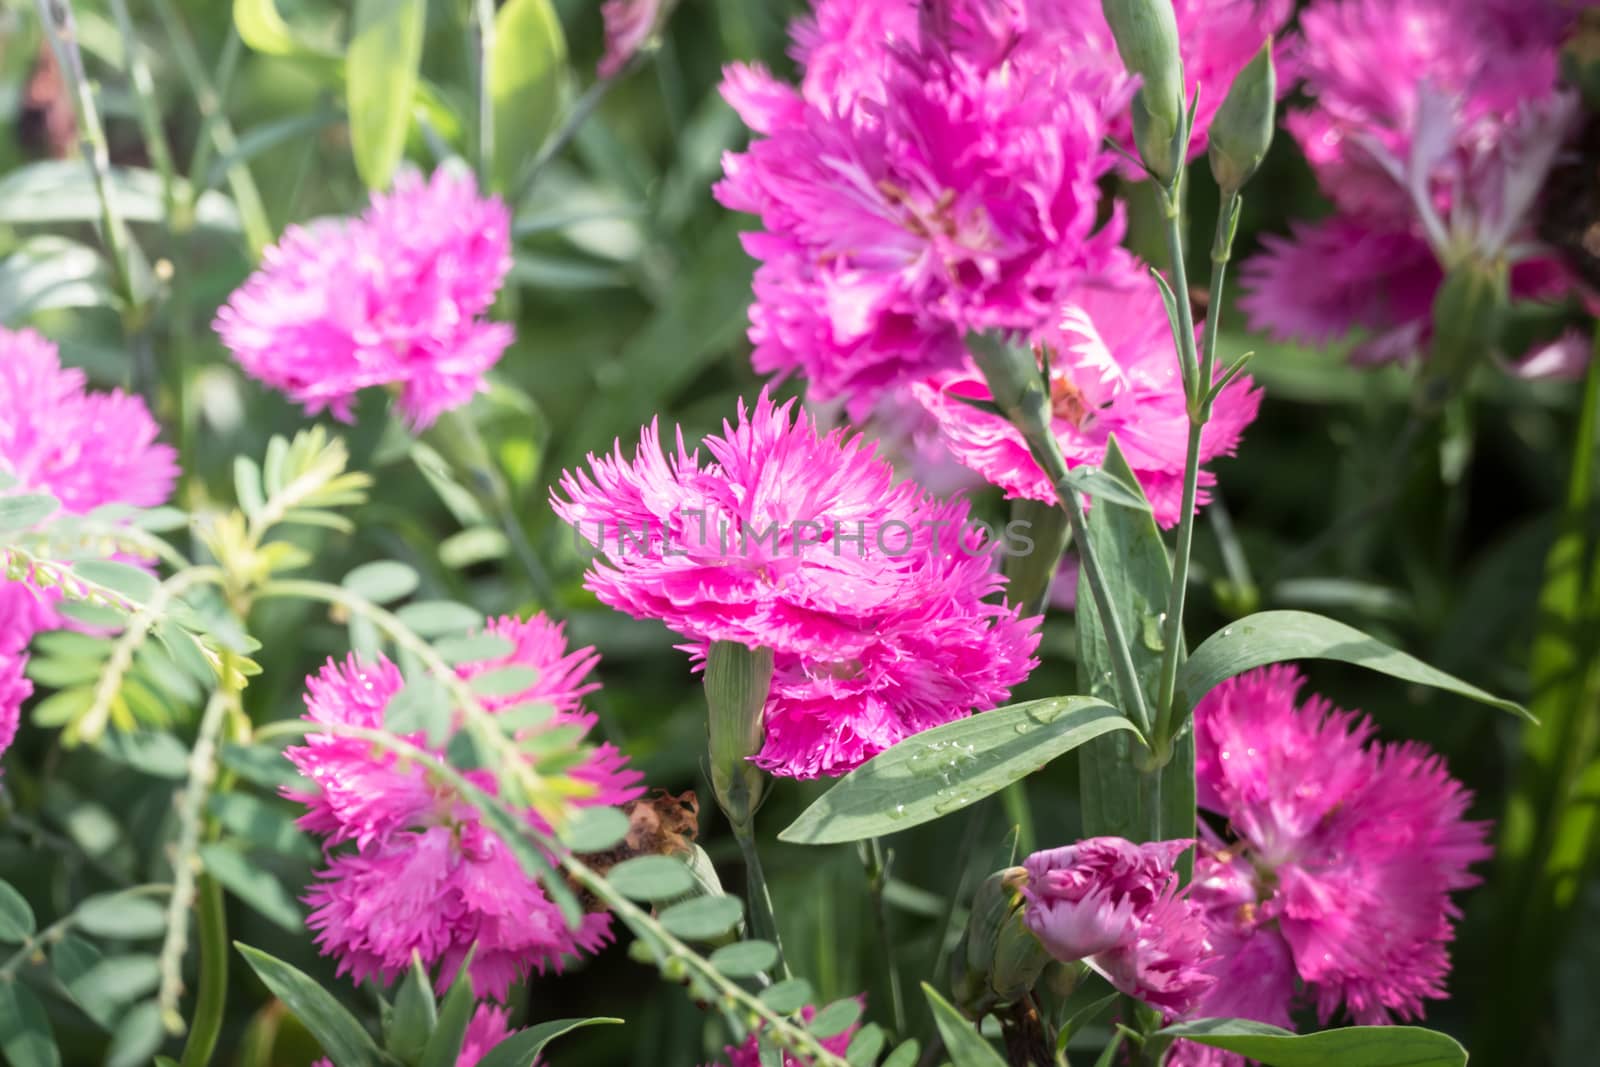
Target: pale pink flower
{"x":1115,"y":905}
{"x":1342,"y":858}
{"x":394,"y":298}
{"x":1113,"y":371}
{"x":748,"y":1052}
{"x":425,"y":874}
{"x":872,"y":594}
{"x":629,"y":24}
{"x":488,"y":1027}
{"x":14,"y":689}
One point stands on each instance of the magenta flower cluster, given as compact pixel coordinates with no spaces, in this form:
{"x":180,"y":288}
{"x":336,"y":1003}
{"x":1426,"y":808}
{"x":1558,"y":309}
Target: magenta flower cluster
{"x":86,"y":449}
{"x":424,"y":874}
{"x":395,"y":298}
{"x":870,"y":646}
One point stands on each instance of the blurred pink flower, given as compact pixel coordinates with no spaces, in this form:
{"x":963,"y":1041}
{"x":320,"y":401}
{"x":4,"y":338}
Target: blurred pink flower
{"x":871,"y":593}
{"x":488,"y":1027}
{"x":14,"y":689}
{"x":394,"y":298}
{"x":1113,"y":370}
{"x":629,"y":24}
{"x":1433,"y":127}
{"x":425,"y":874}
{"x":1343,"y":857}
{"x":1115,"y":905}
{"x":748,"y":1052}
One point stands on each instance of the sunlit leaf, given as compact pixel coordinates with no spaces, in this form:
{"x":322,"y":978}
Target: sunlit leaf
{"x":381,"y":83}
{"x":341,"y":1036}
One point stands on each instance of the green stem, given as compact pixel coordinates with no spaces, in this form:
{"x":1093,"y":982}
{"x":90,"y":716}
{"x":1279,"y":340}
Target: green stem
{"x":763,"y":919}
{"x":144,"y":92}
{"x":581,"y":110}
{"x":1199,"y":393}
{"x":212,"y":917}
{"x":876,"y":862}
{"x":482,"y":33}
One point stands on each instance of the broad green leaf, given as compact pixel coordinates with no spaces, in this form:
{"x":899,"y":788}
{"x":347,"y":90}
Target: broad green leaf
{"x":834,"y":1019}
{"x":382,"y":582}
{"x":949,"y":767}
{"x":261,"y":824}
{"x":480,"y":544}
{"x":123,"y":578}
{"x":16,"y":917}
{"x":63,"y":190}
{"x":703,"y":918}
{"x":1117,"y":798}
{"x":71,"y":959}
{"x":25,"y":1035}
{"x":25,"y":510}
{"x":341,"y":1036}
{"x":474,"y":649}
{"x":504,"y":681}
{"x":651,"y":878}
{"x":414,"y":1015}
{"x":116,"y":980}
{"x":1352,"y":1046}
{"x":381,"y":83}
{"x":436,"y":618}
{"x":136,"y":1037}
{"x":1278,"y":636}
{"x":49,"y":272}
{"x":521,"y":1048}
{"x":864,"y":1047}
{"x":122,"y":916}
{"x":526,"y":68}
{"x":152,"y":752}
{"x":262,"y":765}
{"x":965,"y":1045}
{"x":789,"y":995}
{"x":444,"y":1045}
{"x":904,"y":1055}
{"x":745,"y":959}
{"x":256,"y":887}
{"x":594,"y":829}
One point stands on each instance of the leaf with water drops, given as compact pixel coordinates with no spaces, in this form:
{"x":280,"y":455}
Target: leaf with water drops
{"x":949,"y":767}
{"x":1350,"y":1046}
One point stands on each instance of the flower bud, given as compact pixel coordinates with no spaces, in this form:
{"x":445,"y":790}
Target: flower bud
{"x":995,"y":963}
{"x":1158,"y":142}
{"x":737,"y":682}
{"x":1146,"y":32}
{"x":1019,"y":959}
{"x":1242,"y":130}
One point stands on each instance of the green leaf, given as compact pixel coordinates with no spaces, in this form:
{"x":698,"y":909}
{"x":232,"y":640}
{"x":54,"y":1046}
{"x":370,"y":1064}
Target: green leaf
{"x":520,"y":1049}
{"x":703,"y":918}
{"x":864,"y":1047}
{"x":744,"y":959}
{"x":961,"y":1040}
{"x":436,"y":618}
{"x":1100,"y":484}
{"x":904,"y":1055}
{"x":525,"y":72}
{"x":340,"y":1035}
{"x":16,"y":917}
{"x":651,"y":878}
{"x":262,"y":28}
{"x":46,"y":273}
{"x":260,"y":764}
{"x":787,"y":996}
{"x":25,"y":1035}
{"x":444,"y":1046}
{"x":261,"y":824}
{"x":1352,"y":1046}
{"x":382,"y":582}
{"x":135,"y":584}
{"x":121,"y":915}
{"x":835,"y":1018}
{"x":64,"y":191}
{"x":471,"y":547}
{"x":504,"y":681}
{"x":381,"y":83}
{"x":152,"y":752}
{"x":116,"y":980}
{"x":1277,"y":636}
{"x":71,"y":959}
{"x":25,"y":510}
{"x":414,"y":1014}
{"x":136,"y":1037}
{"x":247,"y":486}
{"x":474,"y":649}
{"x":950,"y":767}
{"x":256,"y":887}
{"x":594,"y":829}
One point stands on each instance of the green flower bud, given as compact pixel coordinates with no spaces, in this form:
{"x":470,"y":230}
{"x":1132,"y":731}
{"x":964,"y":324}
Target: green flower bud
{"x":1242,"y":130}
{"x":994,"y":964}
{"x":737,"y":682}
{"x":1157,"y":141}
{"x":1147,"y":37}
{"x":1019,"y":959}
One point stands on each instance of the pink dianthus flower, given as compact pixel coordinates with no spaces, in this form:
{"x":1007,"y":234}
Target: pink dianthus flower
{"x":425,"y":875}
{"x":872,"y":594}
{"x":1342,"y":857}
{"x":488,"y":1027}
{"x":393,"y":298}
{"x":1115,"y":905}
{"x":1113,"y":370}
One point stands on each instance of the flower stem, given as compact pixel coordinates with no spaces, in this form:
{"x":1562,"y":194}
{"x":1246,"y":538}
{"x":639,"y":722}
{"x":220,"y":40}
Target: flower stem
{"x":482,"y":34}
{"x":212,"y":918}
{"x":762,"y":917}
{"x":876,"y":862}
{"x":1198,"y":375}
{"x":144,"y":92}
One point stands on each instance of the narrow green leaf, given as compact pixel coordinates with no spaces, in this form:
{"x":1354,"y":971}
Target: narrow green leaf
{"x":594,"y":829}
{"x":16,"y":917}
{"x":835,"y":1018}
{"x":703,"y":918}
{"x":1351,"y":1046}
{"x":381,"y":83}
{"x":382,"y":582}
{"x":961,"y":1039}
{"x":470,"y":547}
{"x":787,"y":996}
{"x":414,"y":1014}
{"x":651,"y":878}
{"x":520,"y":1049}
{"x":256,"y":887}
{"x":949,"y":767}
{"x":340,"y":1035}
{"x":133,"y":583}
{"x":444,"y":1045}
{"x":122,"y":916}
{"x":262,"y":28}
{"x":744,"y":959}
{"x":247,"y":486}
{"x":25,"y":510}
{"x":1279,"y":636}
{"x":1099,"y":484}
{"x":25,"y":1035}
{"x":525,"y":72}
